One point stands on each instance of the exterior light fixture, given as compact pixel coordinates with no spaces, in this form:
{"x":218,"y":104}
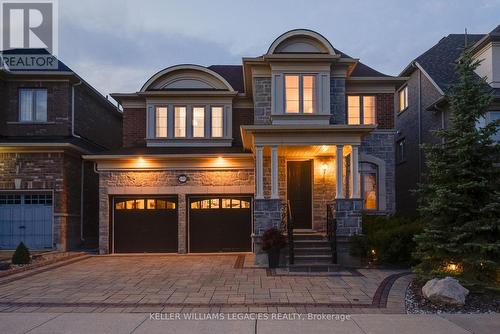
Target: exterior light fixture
{"x":324,"y":168}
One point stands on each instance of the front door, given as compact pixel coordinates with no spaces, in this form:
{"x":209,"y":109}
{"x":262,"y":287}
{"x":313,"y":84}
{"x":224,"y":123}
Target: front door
{"x":299,"y":193}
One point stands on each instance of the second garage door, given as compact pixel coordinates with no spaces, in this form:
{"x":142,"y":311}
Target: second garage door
{"x":145,"y":224}
{"x":220,"y":224}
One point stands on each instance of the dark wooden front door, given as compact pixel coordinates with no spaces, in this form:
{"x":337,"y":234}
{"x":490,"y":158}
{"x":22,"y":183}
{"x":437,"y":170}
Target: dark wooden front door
{"x":299,"y":183}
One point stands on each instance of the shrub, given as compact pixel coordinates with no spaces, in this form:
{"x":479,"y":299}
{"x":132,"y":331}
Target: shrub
{"x":273,"y":239}
{"x":21,"y":255}
{"x":386,"y":240}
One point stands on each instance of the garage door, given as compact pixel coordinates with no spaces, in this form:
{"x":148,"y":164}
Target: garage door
{"x":26,"y":218}
{"x":220,"y":224}
{"x":145,"y":224}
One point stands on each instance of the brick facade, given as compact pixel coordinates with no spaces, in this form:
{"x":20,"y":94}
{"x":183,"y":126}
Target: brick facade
{"x":165,"y":182}
{"x":385,"y":111}
{"x":134,"y":127}
{"x":57,"y":173}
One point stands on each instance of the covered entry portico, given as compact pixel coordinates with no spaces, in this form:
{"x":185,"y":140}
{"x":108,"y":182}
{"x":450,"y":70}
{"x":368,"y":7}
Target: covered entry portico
{"x":331,"y":151}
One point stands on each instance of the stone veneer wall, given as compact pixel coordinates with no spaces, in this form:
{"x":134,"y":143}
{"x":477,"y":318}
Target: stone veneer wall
{"x":54,"y":172}
{"x":337,"y":101}
{"x":348,"y":213}
{"x":380,"y":144}
{"x":239,"y":181}
{"x":262,"y":100}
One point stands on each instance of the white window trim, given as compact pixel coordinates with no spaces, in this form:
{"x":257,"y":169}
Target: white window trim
{"x":33,"y":105}
{"x":188,"y":140}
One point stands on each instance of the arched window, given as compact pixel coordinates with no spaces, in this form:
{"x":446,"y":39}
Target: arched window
{"x":369,"y":185}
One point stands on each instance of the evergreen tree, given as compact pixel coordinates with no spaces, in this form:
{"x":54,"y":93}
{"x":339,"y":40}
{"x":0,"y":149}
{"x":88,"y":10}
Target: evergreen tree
{"x":21,"y":255}
{"x":460,"y":198}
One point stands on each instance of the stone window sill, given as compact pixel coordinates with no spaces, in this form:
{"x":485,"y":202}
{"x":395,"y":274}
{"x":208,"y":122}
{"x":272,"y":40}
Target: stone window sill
{"x":31,"y":123}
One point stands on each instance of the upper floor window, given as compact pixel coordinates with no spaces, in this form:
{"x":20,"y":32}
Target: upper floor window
{"x":360,"y":109}
{"x":300,"y":93}
{"x":217,"y":122}
{"x":403,"y":98}
{"x":198,"y":122}
{"x":161,"y":122}
{"x":32,"y":105}
{"x":491,"y":116}
{"x":180,"y":122}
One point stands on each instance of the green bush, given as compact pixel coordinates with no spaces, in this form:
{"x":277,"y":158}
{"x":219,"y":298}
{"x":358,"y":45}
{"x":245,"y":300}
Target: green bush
{"x":21,"y":255}
{"x":386,"y":240}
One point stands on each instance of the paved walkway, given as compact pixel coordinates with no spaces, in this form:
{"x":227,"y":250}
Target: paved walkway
{"x":12,"y":323}
{"x":187,"y":283}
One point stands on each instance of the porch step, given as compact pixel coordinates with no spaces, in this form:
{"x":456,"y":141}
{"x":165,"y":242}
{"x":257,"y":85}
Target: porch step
{"x":313,"y":259}
{"x":311,"y":244}
{"x":308,"y":236}
{"x":312,"y":250}
{"x":313,"y":268}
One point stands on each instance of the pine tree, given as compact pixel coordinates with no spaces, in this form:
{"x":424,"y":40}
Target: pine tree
{"x":460,"y":197}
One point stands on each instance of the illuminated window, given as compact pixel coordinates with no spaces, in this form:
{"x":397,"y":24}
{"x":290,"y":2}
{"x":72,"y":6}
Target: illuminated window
{"x":369,"y":188}
{"x":180,"y":122}
{"x":353,"y":110}
{"x":151,"y":204}
{"x":198,"y":122}
{"x":300,"y":92}
{"x":308,"y":93}
{"x":292,"y":98}
{"x":161,"y":122}
{"x":360,"y":110}
{"x":403,"y":98}
{"x":217,"y":122}
{"x":214,"y":203}
{"x":120,"y":206}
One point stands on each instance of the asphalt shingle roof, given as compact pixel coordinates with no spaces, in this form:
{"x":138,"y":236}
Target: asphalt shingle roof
{"x":439,"y":61}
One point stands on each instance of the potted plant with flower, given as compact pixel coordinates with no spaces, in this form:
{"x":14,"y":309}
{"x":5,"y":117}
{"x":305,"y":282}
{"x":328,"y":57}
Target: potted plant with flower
{"x":272,"y":242}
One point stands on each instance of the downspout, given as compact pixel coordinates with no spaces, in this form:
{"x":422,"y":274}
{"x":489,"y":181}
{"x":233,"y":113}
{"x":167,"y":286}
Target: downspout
{"x":82,"y":239}
{"x":419,"y":125}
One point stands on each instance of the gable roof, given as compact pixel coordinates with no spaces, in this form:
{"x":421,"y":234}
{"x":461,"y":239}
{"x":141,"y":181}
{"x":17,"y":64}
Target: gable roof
{"x":439,"y":61}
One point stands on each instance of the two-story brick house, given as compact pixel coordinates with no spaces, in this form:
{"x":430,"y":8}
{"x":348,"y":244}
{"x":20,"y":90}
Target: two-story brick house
{"x":211,"y":153}
{"x":48,"y":119}
{"x":423,"y":107}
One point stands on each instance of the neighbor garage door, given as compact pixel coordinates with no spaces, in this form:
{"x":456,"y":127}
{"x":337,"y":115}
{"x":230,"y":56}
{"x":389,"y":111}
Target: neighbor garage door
{"x":27,"y":218}
{"x":145,"y":224}
{"x":220,"y":224}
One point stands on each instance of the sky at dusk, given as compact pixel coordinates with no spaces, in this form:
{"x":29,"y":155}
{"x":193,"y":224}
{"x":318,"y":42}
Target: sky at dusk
{"x":116,"y":45}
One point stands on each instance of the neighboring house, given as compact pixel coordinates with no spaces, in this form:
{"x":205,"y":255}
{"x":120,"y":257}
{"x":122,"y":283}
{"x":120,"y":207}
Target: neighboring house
{"x":48,"y":119}
{"x":211,"y":154}
{"x":423,"y":108}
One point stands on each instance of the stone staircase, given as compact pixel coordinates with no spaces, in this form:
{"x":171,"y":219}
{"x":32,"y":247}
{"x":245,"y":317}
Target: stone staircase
{"x":312,"y":252}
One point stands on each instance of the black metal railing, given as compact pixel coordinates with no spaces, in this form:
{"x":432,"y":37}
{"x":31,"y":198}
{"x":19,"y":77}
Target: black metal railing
{"x":331,"y":230}
{"x":289,"y":229}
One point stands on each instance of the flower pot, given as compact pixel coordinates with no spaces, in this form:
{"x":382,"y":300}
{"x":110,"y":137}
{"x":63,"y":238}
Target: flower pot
{"x":273,"y":256}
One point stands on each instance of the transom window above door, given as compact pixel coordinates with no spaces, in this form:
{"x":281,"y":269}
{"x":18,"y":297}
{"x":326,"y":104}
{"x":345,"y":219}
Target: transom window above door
{"x":300,"y":93}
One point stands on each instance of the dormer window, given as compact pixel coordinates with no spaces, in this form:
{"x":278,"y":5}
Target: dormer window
{"x":300,"y":93}
{"x":217,"y":122}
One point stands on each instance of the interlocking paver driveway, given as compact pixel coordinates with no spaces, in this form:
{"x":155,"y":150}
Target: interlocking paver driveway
{"x":175,"y":282}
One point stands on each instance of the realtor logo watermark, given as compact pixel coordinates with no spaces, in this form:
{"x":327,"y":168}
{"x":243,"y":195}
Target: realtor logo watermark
{"x":28,"y":28}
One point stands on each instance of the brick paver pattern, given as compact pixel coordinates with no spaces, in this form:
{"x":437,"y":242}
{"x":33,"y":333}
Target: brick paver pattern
{"x":180,"y":282}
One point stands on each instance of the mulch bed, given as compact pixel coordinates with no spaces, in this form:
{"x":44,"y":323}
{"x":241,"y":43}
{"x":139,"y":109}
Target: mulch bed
{"x":475,"y":302}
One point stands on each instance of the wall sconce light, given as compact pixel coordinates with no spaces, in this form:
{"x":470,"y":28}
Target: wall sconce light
{"x":324,"y":168}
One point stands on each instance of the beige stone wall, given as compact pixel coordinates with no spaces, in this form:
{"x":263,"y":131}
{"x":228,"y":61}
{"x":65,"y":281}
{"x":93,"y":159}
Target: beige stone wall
{"x":240,"y":181}
{"x":323,"y":191}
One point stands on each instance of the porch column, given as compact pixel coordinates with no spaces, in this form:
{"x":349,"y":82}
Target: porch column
{"x":355,"y":171}
{"x":274,"y":172}
{"x":340,"y":166}
{"x":259,"y":173}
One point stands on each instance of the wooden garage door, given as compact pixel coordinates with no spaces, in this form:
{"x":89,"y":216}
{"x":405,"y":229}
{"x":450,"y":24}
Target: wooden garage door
{"x":220,"y":224}
{"x":145,"y":224}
